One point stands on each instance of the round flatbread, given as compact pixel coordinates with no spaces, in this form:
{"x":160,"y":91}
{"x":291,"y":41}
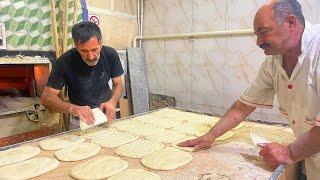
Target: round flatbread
{"x":225,"y":136}
{"x":99,"y":168}
{"x":167,"y":159}
{"x":238,"y":127}
{"x":135,"y":174}
{"x":18,"y":154}
{"x":54,"y":144}
{"x":138,"y":148}
{"x":77,"y":152}
{"x":28,"y":169}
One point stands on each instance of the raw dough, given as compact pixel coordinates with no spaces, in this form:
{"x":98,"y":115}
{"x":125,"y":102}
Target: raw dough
{"x":167,"y":159}
{"x":18,"y":154}
{"x":202,"y":130}
{"x":114,"y":140}
{"x":191,"y":128}
{"x":238,"y":127}
{"x":125,"y":125}
{"x":28,"y":169}
{"x":99,"y":118}
{"x":135,"y":174}
{"x":138,"y":148}
{"x":99,"y":168}
{"x":54,"y":144}
{"x":143,"y":129}
{"x":102,"y":132}
{"x":225,"y":136}
{"x":162,"y":122}
{"x":166,"y":136}
{"x":77,"y":152}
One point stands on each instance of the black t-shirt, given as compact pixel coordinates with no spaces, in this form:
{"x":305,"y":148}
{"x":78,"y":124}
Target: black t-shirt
{"x":87,"y":85}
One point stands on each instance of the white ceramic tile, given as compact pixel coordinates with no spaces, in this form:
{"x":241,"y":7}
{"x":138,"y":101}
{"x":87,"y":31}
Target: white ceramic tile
{"x":229,"y":99}
{"x":273,"y":118}
{"x":183,"y":105}
{"x":154,"y":12}
{"x":256,"y":115}
{"x":207,"y":109}
{"x":206,"y":86}
{"x":243,"y":60}
{"x":153,"y":46}
{"x":209,"y":15}
{"x":152,"y":30}
{"x":178,"y":82}
{"x":180,"y":46}
{"x":178,"y":58}
{"x":177,"y":12}
{"x":318,"y":15}
{"x":209,"y":52}
{"x":155,"y":72}
{"x":240,"y":14}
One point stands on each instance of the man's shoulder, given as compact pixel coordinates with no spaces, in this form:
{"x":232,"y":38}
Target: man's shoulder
{"x":68,"y":55}
{"x":272,"y":63}
{"x":108,"y":50}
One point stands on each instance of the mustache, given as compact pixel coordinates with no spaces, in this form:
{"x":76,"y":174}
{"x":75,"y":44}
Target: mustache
{"x":264,"y":45}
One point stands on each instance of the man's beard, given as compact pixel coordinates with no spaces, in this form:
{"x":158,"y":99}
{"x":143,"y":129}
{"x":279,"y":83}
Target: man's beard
{"x":91,"y":62}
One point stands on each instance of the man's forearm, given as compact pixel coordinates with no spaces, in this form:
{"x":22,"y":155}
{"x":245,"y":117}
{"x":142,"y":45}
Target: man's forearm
{"x":116,"y":93}
{"x":237,"y":113}
{"x":306,"y":145}
{"x":54,"y":103}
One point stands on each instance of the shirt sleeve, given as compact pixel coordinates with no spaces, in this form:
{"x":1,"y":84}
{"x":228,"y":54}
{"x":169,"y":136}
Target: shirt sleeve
{"x":57,"y":77}
{"x":116,"y":67}
{"x":318,"y":89}
{"x":261,"y":91}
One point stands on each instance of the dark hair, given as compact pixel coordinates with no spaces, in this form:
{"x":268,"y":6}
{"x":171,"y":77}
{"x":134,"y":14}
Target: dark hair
{"x":83,"y":31}
{"x":283,"y":8}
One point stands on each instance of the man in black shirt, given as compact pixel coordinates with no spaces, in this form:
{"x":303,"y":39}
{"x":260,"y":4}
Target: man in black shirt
{"x":85,"y":70}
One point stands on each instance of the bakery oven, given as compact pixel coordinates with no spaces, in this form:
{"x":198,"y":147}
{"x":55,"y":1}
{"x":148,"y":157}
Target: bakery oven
{"x":22,"y":117}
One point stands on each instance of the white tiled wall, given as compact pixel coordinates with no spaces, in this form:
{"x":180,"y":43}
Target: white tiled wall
{"x":206,"y":74}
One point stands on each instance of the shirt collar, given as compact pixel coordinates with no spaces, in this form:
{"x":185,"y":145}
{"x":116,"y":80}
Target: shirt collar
{"x":310,"y":31}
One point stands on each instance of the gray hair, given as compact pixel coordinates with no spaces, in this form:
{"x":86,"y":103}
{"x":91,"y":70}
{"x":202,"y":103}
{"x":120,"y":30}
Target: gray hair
{"x":83,"y":31}
{"x":283,"y":8}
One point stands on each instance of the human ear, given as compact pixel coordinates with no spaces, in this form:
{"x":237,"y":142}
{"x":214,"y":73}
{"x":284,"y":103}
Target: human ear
{"x":291,"y":20}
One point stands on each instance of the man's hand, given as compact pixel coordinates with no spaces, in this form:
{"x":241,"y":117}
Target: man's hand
{"x":109,"y":108}
{"x":84,"y":113}
{"x":275,"y":154}
{"x":202,"y":142}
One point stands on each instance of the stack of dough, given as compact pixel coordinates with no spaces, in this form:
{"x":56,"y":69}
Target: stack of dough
{"x":99,"y":118}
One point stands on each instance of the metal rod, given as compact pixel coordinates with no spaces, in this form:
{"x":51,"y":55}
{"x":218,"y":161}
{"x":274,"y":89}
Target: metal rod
{"x":226,"y":33}
{"x":275,"y":175}
{"x":141,"y":21}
